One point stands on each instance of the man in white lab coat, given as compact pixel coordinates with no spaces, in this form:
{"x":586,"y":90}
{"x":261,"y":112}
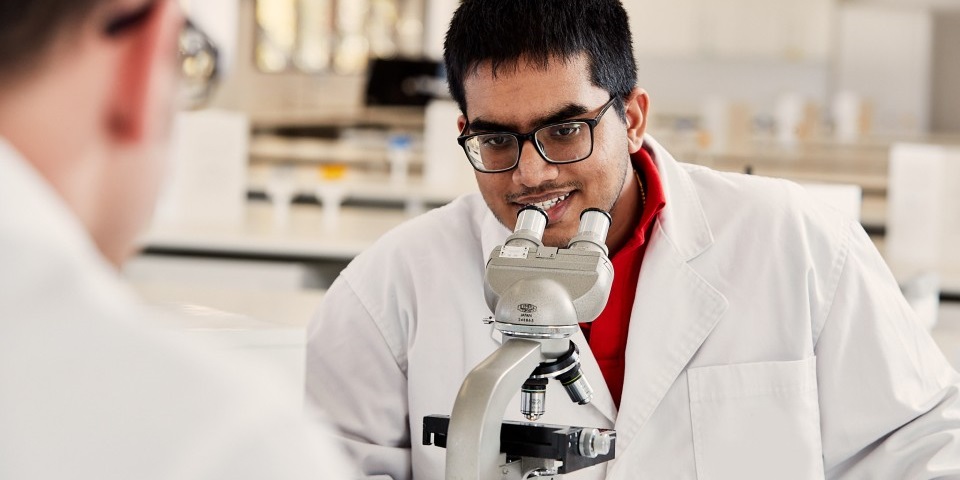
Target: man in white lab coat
{"x":87,"y":389}
{"x":750,"y":333}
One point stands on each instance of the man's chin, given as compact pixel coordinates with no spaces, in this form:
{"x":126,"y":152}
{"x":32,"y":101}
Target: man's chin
{"x":553,"y":239}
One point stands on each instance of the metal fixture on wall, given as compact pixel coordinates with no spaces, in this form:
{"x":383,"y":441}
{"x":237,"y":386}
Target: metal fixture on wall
{"x":314,"y":36}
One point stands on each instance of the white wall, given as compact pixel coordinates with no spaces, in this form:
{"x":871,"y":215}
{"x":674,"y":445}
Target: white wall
{"x":885,"y":56}
{"x":939,"y":4}
{"x":945,"y":115}
{"x":436,"y":22}
{"x":782,"y":29}
{"x":747,"y":51}
{"x":681,"y":85}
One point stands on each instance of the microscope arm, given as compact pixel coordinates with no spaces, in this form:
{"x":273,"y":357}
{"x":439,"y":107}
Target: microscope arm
{"x":473,"y":442}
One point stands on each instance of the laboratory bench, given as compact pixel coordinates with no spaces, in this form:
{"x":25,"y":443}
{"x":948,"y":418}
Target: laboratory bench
{"x":308,"y":233}
{"x":305,"y":181}
{"x":280,"y":149}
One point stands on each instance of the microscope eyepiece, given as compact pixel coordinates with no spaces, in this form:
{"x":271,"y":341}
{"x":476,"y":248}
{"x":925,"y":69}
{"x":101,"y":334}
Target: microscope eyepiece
{"x":534,"y":208}
{"x":595,"y":220}
{"x":531,"y":222}
{"x":533,"y":219}
{"x":592,"y":234}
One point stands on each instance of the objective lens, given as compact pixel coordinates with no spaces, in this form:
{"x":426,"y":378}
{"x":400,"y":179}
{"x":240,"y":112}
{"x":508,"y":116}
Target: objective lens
{"x":576,"y":385}
{"x":533,"y":398}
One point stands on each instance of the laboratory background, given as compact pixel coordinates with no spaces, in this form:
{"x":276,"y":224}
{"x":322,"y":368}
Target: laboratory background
{"x":329,"y":124}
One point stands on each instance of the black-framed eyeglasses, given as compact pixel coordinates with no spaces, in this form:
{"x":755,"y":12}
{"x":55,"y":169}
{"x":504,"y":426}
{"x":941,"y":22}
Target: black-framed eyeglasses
{"x":562,"y":142}
{"x":199,"y":58}
{"x":197,"y":54}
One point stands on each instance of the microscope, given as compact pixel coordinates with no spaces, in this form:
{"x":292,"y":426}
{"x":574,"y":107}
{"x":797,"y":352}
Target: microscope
{"x":539,"y":295}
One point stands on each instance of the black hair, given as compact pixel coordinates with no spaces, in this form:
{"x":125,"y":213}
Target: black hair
{"x":537,"y":31}
{"x":28,"y":28}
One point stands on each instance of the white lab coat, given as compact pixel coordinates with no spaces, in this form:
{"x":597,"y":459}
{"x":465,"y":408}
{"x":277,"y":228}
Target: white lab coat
{"x":88,"y":390}
{"x":768,"y":340}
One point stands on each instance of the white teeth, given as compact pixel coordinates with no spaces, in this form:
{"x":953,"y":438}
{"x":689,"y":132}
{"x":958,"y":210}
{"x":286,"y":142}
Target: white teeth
{"x":548,"y":204}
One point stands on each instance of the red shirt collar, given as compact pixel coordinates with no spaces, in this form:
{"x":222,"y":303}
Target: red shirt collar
{"x":646,"y":169}
{"x":607,"y":335}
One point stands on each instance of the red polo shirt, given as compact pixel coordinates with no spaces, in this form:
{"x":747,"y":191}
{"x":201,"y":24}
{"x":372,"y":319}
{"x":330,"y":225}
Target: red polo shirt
{"x":607,"y":334}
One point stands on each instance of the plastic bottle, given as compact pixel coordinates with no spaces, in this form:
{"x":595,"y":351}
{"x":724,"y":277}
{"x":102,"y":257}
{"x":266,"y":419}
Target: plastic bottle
{"x":398,"y":154}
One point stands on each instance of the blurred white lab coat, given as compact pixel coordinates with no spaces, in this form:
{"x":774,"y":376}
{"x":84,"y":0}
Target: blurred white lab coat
{"x":88,"y":391}
{"x":768,"y":340}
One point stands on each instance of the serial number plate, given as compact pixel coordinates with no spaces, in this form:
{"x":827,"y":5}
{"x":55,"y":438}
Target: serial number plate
{"x":511,"y":251}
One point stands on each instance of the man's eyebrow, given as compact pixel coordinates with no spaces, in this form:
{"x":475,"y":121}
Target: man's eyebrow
{"x":125,"y":21}
{"x":563,"y":113}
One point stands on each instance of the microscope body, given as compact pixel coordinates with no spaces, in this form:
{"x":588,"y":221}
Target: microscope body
{"x":549,"y":289}
{"x":539,"y":295}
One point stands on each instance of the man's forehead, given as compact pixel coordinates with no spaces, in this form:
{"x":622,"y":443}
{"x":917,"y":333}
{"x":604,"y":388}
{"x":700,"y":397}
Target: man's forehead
{"x":524,"y":94}
{"x":499,"y":72}
{"x":509,"y":66}
{"x":519,"y":121}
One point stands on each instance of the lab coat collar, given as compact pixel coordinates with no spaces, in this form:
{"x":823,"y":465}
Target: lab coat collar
{"x":48,"y":216}
{"x":34,"y":217}
{"x":493,"y":233}
{"x":683,"y":219}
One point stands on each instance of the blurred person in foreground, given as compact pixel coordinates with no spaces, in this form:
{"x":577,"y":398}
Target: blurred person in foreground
{"x":750,"y":333}
{"x":87,"y":389}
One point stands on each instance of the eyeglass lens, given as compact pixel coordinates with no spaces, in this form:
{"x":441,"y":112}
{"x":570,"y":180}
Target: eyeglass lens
{"x":560,"y":143}
{"x":198,"y":63}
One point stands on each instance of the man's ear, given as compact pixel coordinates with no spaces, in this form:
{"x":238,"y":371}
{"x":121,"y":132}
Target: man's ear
{"x":636,"y":105}
{"x":461,"y":122}
{"x":141,"y":52}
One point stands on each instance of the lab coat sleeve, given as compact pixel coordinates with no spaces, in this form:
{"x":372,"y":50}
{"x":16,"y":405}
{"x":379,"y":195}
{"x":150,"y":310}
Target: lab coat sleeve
{"x":355,"y":378}
{"x":890,"y":402}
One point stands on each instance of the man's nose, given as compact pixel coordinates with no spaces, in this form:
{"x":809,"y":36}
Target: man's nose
{"x":533,"y":170}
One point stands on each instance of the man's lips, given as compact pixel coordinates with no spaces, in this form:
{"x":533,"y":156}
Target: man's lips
{"x":555,"y":204}
{"x":540,"y":198}
{"x":547,"y":202}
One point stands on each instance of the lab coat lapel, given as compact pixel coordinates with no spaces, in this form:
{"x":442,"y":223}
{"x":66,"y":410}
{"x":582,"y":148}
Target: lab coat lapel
{"x":602,"y":400}
{"x":492,"y":235}
{"x":675,"y":308}
{"x":674,"y":312}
